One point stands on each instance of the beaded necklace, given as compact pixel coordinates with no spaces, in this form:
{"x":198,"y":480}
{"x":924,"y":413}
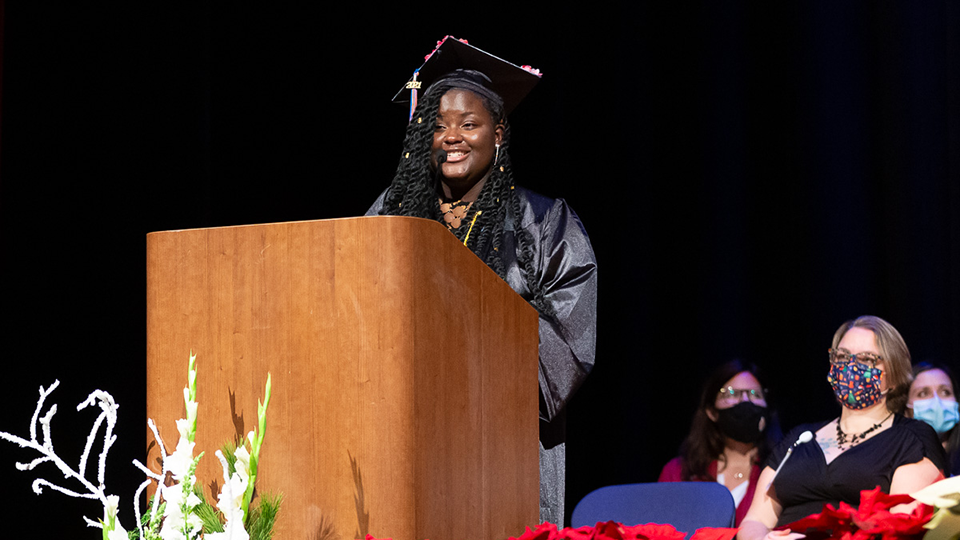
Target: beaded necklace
{"x":454,"y":212}
{"x":857,"y":438}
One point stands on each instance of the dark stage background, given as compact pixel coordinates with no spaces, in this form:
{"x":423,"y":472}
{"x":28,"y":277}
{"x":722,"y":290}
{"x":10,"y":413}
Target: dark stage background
{"x":752,"y":174}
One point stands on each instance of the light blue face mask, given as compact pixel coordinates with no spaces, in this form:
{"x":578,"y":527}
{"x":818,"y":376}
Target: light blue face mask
{"x":942,"y":415}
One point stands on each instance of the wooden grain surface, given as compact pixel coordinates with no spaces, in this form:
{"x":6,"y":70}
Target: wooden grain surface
{"x":404,"y":373}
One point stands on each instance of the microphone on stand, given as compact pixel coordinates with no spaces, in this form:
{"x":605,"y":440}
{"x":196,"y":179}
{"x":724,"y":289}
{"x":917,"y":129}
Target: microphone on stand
{"x":806,"y":436}
{"x":441,"y":159}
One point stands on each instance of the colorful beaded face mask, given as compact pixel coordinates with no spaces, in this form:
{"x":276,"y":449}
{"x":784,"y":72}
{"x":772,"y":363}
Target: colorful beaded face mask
{"x":856,"y":385}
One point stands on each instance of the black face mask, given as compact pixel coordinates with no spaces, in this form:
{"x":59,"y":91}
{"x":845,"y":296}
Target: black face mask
{"x":742,"y":421}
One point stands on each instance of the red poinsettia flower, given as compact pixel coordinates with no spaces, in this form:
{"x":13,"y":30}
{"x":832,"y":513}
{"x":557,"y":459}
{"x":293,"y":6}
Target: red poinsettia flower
{"x":580,"y":533}
{"x":891,"y":526}
{"x":871,"y":519}
{"x":875,"y":500}
{"x":612,"y":530}
{"x":714,"y":533}
{"x":830,"y":519}
{"x":653,"y":531}
{"x":544,"y":531}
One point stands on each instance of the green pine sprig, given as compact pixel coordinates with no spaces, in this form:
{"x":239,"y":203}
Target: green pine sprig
{"x":264,"y":516}
{"x":150,"y":524}
{"x":210,"y":516}
{"x":229,"y":451}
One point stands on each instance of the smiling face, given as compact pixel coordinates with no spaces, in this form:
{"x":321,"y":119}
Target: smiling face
{"x":470,"y":136}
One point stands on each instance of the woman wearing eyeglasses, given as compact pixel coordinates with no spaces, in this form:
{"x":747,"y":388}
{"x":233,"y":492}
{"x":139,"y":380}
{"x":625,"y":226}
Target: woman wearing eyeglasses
{"x":731,"y":434}
{"x":870,"y":444}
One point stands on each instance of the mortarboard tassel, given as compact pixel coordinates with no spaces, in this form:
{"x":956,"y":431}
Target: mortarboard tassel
{"x":413,"y":85}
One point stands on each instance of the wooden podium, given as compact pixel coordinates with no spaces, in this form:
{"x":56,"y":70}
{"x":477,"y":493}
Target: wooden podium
{"x":404,"y":374}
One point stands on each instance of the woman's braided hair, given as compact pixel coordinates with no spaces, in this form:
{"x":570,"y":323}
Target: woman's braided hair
{"x":413,"y":192}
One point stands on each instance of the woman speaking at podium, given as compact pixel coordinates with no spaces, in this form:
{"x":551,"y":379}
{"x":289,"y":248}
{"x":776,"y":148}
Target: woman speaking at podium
{"x":870,"y":444}
{"x":455,"y":168}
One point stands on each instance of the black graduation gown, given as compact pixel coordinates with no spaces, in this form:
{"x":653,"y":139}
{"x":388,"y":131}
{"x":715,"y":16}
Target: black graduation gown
{"x":566,"y":271}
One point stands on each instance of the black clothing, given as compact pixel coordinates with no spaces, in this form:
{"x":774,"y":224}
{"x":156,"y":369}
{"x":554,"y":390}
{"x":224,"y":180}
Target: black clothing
{"x":806,"y":483}
{"x":566,"y":272}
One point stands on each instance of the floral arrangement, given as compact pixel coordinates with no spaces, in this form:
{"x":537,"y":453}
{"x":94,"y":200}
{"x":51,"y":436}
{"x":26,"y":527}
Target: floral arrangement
{"x":612,"y":530}
{"x":618,"y":531}
{"x":872,"y":518}
{"x":936,"y":518}
{"x":945,"y":497}
{"x":178,"y":510}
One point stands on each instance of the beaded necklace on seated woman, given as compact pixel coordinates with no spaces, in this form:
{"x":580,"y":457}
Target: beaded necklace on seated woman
{"x":857,"y":378}
{"x":870,"y":375}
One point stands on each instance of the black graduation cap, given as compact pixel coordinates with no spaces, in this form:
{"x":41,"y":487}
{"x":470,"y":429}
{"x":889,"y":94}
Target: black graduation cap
{"x":509,"y":81}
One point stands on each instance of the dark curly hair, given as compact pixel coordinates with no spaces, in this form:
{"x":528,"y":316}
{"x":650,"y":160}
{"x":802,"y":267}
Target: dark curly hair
{"x":414,"y":193}
{"x":705,"y":442}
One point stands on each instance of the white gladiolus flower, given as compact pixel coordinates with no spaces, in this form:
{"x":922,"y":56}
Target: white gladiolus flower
{"x":190,"y":404}
{"x":110,"y":510}
{"x":192,"y":409}
{"x":172,"y":495}
{"x":180,"y":461}
{"x":183,"y":427}
{"x":179,"y":519}
{"x":232,"y":494}
{"x":230,"y":502}
{"x":171,"y":534}
{"x":174,"y":520}
{"x":243,"y":463}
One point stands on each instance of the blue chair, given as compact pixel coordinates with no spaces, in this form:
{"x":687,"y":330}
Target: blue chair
{"x":687,"y":506}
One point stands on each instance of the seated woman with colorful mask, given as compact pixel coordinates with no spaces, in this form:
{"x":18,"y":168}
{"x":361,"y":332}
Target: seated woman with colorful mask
{"x":870,"y":444}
